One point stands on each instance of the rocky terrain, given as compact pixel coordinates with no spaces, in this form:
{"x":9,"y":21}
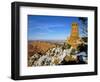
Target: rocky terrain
{"x":39,"y":47}
{"x":45,"y":53}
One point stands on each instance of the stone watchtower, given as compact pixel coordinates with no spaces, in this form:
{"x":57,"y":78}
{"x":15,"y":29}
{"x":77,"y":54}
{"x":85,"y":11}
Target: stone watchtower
{"x":74,"y":39}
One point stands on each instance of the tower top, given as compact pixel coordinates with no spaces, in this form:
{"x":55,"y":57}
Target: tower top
{"x":74,"y":24}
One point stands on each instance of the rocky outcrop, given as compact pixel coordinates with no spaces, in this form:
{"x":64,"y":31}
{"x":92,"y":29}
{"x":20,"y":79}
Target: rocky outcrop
{"x":57,"y":56}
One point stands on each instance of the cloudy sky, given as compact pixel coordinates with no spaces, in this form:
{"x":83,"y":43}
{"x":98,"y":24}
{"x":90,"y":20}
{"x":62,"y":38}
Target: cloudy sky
{"x":50,"y":27}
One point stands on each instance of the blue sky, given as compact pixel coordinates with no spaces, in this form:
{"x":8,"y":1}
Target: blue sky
{"x":50,"y":27}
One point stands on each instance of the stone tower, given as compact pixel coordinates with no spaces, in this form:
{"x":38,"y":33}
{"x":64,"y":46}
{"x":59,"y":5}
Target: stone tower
{"x":74,"y":39}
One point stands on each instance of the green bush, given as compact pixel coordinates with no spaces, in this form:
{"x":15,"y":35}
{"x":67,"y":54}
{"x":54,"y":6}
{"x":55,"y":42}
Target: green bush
{"x":85,"y":39}
{"x":72,"y":52}
{"x":66,"y":46}
{"x":82,"y":47}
